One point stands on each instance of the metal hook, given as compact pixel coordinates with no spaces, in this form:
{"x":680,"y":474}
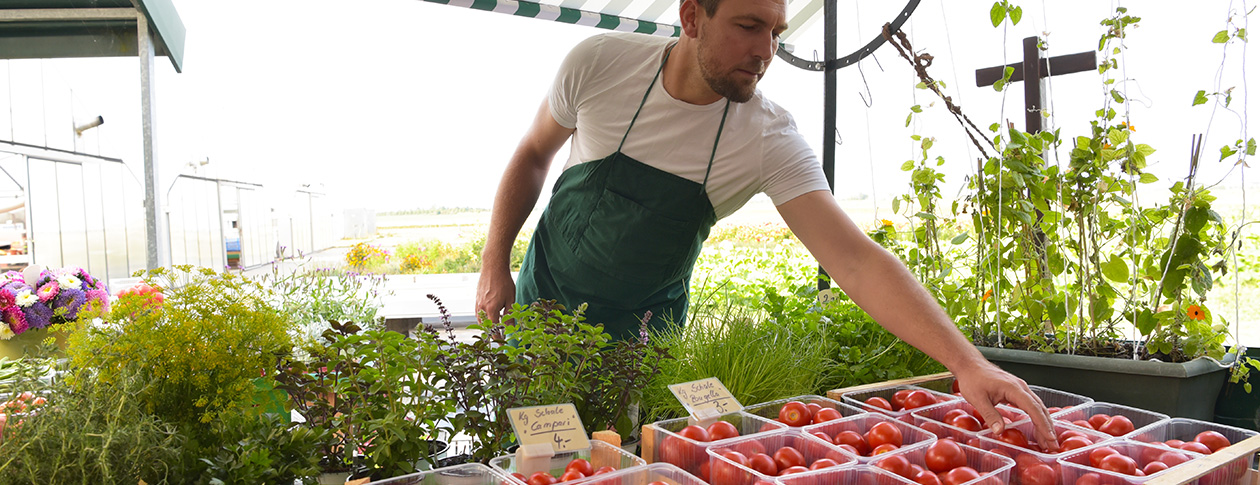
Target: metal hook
{"x":839,"y":139}
{"x":868,"y":99}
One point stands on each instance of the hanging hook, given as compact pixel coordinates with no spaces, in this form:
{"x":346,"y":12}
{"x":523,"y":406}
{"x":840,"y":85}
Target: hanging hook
{"x":868,"y":99}
{"x":839,"y":139}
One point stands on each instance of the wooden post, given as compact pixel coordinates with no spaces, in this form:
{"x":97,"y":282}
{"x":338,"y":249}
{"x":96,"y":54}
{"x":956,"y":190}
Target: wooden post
{"x":1036,"y":67}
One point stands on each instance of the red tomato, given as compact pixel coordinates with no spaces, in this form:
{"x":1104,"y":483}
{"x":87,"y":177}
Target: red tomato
{"x":1213,"y":440}
{"x":953,"y":413}
{"x":581,"y":466}
{"x":791,"y":470}
{"x":1172,"y":458}
{"x":927,"y":478}
{"x":1084,"y":424}
{"x":823,"y":463}
{"x":520,"y":477}
{"x":879,"y":402}
{"x":750,"y":448}
{"x":953,"y":388}
{"x":1068,"y":433}
{"x":918,"y":399}
{"x":724,"y":472}
{"x":897,"y":464}
{"x":826,"y":414}
{"x":1014,"y":437}
{"x":541,"y":478}
{"x":960,"y":475}
{"x":899,"y":399}
{"x":813,"y":408}
{"x":852,"y":438}
{"x":1090,"y":478}
{"x":794,"y":413}
{"x":944,"y":455}
{"x":681,"y":453}
{"x":1117,"y":426}
{"x":788,"y":457}
{"x":1039,"y":474}
{"x":763,"y":464}
{"x":1154,"y":467}
{"x":704,"y":471}
{"x":696,"y":433}
{"x":884,"y":448}
{"x":1074,"y":442}
{"x":1196,"y":447}
{"x":658,"y":482}
{"x":1118,"y":463}
{"x":966,"y":422}
{"x":721,"y":430}
{"x":1097,"y":420}
{"x":883,"y":432}
{"x":572,"y":475}
{"x":1096,"y":455}
{"x":822,"y":436}
{"x":1175,"y":443}
{"x":604,"y":469}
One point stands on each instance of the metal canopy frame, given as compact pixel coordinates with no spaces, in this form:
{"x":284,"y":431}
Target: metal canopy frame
{"x":42,"y":29}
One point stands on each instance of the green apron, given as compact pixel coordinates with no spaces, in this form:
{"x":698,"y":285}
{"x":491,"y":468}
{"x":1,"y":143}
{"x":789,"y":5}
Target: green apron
{"x":622,"y":237}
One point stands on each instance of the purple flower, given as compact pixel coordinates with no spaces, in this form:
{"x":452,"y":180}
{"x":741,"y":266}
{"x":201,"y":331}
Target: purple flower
{"x":67,"y":303}
{"x":38,"y":315}
{"x":15,"y":318}
{"x":47,"y":291}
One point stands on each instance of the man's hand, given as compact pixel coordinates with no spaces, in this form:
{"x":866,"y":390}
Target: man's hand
{"x":495,"y":293}
{"x":986,"y":385}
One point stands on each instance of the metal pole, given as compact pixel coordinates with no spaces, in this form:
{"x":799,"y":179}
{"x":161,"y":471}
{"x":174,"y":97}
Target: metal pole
{"x":156,"y":253}
{"x":829,"y":110}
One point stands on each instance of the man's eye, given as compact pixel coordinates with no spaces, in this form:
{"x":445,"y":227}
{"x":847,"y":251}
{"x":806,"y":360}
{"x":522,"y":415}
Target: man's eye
{"x":748,"y":27}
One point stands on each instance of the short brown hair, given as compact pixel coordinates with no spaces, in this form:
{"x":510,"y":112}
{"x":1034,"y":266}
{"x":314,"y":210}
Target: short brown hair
{"x":709,"y":6}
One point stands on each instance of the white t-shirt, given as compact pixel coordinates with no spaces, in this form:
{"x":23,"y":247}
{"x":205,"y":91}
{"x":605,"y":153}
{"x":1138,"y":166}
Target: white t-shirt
{"x":599,"y":87}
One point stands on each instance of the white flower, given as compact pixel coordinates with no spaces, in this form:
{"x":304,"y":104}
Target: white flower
{"x":68,"y":281}
{"x":6,"y":333}
{"x":26,"y":298}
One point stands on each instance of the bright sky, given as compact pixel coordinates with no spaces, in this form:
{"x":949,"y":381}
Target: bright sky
{"x":395,"y":104}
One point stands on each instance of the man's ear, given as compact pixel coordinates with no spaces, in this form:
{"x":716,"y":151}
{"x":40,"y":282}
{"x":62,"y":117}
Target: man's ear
{"x":688,"y":13}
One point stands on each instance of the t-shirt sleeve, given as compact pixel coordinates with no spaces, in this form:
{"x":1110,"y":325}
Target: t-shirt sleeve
{"x":793,"y":167}
{"x":565,"y":94}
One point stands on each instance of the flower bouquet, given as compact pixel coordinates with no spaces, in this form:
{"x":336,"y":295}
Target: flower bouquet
{"x":37,"y":298}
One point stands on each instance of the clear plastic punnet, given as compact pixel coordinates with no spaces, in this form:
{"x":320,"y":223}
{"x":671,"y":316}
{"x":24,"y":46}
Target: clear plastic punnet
{"x":1054,"y":398}
{"x":468,"y":474}
{"x":1084,"y":412}
{"x":1026,"y":457}
{"x":990,"y":466}
{"x":858,"y":399}
{"x":854,"y":475}
{"x":644,"y":475}
{"x":662,"y":443}
{"x":933,"y":419}
{"x":809,"y":449}
{"x":911,"y":437}
{"x":770,"y":410}
{"x":1077,"y":463}
{"x":1184,"y":429}
{"x":600,"y":455}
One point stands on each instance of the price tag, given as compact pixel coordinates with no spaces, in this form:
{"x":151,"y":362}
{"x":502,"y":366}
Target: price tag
{"x":827,"y":296}
{"x":556,"y":424}
{"x":705,"y":398}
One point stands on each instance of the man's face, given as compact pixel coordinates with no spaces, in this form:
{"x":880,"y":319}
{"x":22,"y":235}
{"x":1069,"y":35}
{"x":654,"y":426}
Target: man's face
{"x":737,"y":44}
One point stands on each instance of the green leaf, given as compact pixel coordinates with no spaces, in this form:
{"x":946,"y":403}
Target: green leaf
{"x":909,"y":117}
{"x":1220,"y":37}
{"x":920,"y":86}
{"x":906,"y":167}
{"x":916,"y":108}
{"x":1116,"y":269}
{"x":1117,"y":96}
{"x":959,"y":239}
{"x":927,"y":143}
{"x":1251,"y":147}
{"x":995,"y":127}
{"x":1117,"y":137}
{"x":1017,"y":14}
{"x":1242,"y":34}
{"x":927,"y":216}
{"x":1226,"y":151}
{"x":1144,"y":149}
{"x":896,"y":203}
{"x":1146,"y":322}
{"x":1148,"y":178}
{"x":1200,"y":98}
{"x":999,"y":84}
{"x":997,"y":13}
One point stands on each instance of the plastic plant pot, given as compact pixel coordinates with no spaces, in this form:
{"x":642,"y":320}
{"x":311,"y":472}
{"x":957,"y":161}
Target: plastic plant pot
{"x":1027,"y":458}
{"x":467,"y":474}
{"x":853,"y":475}
{"x":932,"y":419}
{"x":770,"y":410}
{"x":858,"y":399}
{"x":911,"y":437}
{"x":1054,"y":398}
{"x":1185,"y":429}
{"x":990,"y":466}
{"x":1075,"y":464}
{"x":600,"y":455}
{"x":725,"y":471}
{"x":662,"y":443}
{"x":1139,"y":417}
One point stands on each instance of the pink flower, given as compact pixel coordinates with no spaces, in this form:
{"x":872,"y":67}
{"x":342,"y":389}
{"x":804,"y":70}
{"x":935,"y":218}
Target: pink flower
{"x":15,"y":318}
{"x":47,"y":292}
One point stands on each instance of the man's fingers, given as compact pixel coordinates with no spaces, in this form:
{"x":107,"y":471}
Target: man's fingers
{"x":1031,"y":404}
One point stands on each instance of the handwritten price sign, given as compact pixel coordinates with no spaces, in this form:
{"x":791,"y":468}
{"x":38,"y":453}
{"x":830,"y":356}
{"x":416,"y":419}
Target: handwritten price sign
{"x":555,"y":424}
{"x":705,"y":397}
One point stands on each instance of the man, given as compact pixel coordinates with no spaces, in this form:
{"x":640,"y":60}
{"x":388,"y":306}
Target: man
{"x":667,"y":137}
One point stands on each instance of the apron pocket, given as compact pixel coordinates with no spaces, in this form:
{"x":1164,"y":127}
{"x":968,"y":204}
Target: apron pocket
{"x":635,"y":244}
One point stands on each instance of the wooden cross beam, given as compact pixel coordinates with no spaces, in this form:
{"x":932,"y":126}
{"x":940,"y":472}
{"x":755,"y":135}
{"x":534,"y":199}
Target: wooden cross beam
{"x":1036,"y":67}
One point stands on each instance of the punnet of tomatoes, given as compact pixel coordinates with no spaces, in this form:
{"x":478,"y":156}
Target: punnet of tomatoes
{"x":959,"y":420}
{"x":869,"y":435}
{"x":653,"y":474}
{"x":1113,"y":419}
{"x":789,"y":411}
{"x":1200,"y":437}
{"x":1033,"y":465}
{"x":1120,"y":461}
{"x":897,"y":401}
{"x":852,"y":475}
{"x":683,"y":444}
{"x":564,"y":467}
{"x":1058,"y":401}
{"x":947,"y":462}
{"x":761,"y":458}
{"x":465,"y":474}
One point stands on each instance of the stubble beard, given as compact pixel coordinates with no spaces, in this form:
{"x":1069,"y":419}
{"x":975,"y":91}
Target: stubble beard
{"x":724,"y":85}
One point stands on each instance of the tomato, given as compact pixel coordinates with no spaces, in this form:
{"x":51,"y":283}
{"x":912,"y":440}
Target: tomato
{"x":794,"y":413}
{"x":604,"y":469}
{"x":1172,"y":458}
{"x":721,"y":430}
{"x":520,"y":477}
{"x":822,"y":436}
{"x":1117,"y":426}
{"x":1074,"y":442}
{"x":1013,"y":437}
{"x":1053,"y":409}
{"x":953,"y":413}
{"x":953,"y":388}
{"x":1175,"y":443}
{"x":695,"y":433}
{"x":852,"y":438}
{"x":897,"y":464}
{"x":879,"y":402}
{"x":681,"y":453}
{"x":1154,"y":467}
{"x":1097,"y":420}
{"x":1082,"y":423}
{"x":884,"y":448}
{"x":960,"y":475}
{"x":1213,"y":440}
{"x":704,"y":471}
{"x":944,"y":455}
{"x":1196,"y":447}
{"x":1090,"y":478}
{"x":823,"y":463}
{"x":572,"y":475}
{"x":541,"y":478}
{"x":763,"y":464}
{"x":787,"y":457}
{"x":658,"y":483}
{"x":1118,"y":463}
{"x":724,"y":472}
{"x":927,"y":478}
{"x":883,"y":432}
{"x":918,"y":399}
{"x":813,"y":408}
{"x":899,"y":399}
{"x":1096,"y":455}
{"x":966,"y":422}
{"x":848,"y":448}
{"x":826,"y":414}
{"x":750,"y":448}
{"x":1039,"y":474}
{"x":1068,"y":433}
{"x":581,"y":466}
{"x":791,"y":470}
